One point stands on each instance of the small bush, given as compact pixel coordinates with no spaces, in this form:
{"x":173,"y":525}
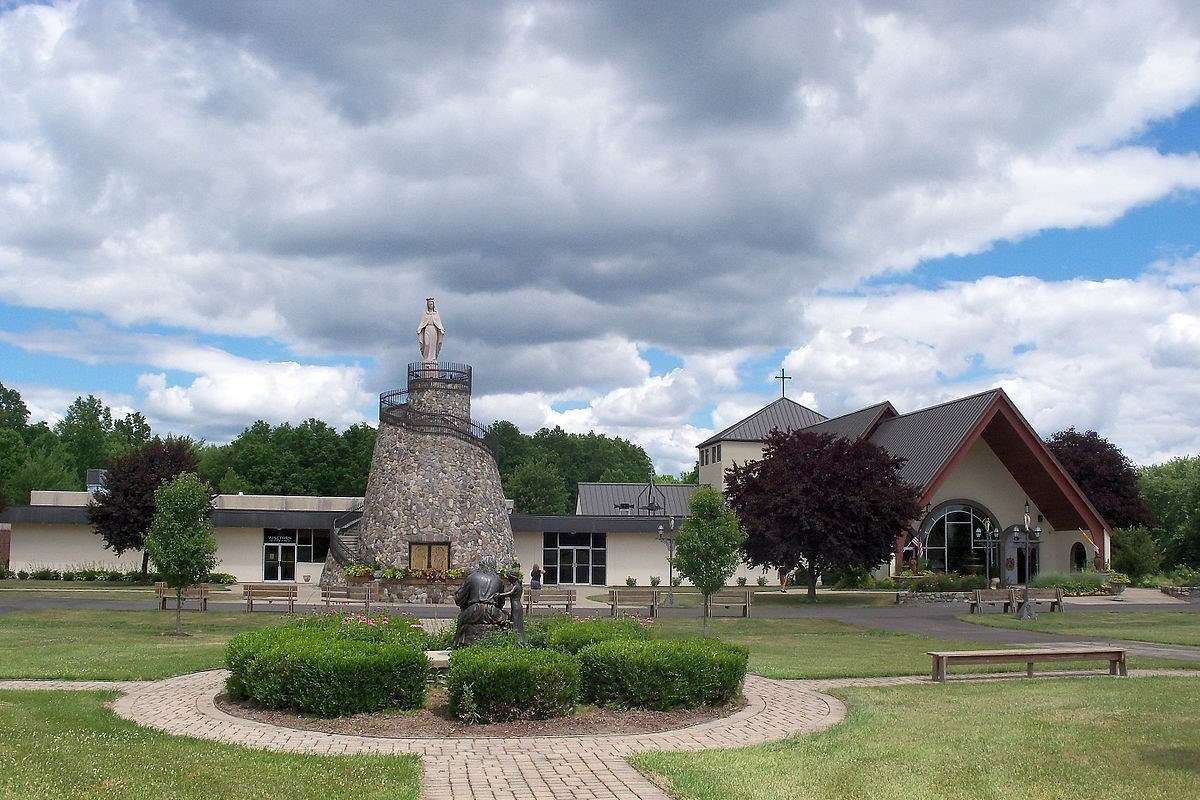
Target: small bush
{"x":220,"y":578}
{"x":6,"y":573}
{"x":573,"y":635}
{"x":885,"y":584}
{"x":67,"y":576}
{"x":939,"y":582}
{"x":357,"y":571}
{"x":655,"y":580}
{"x":1135,"y":552}
{"x":1183,"y":575}
{"x":45,"y":574}
{"x":631,"y":581}
{"x":314,"y":668}
{"x":741,"y":581}
{"x":495,"y":684}
{"x":662,"y":674}
{"x":677,"y":580}
{"x":761,"y":580}
{"x":22,"y":575}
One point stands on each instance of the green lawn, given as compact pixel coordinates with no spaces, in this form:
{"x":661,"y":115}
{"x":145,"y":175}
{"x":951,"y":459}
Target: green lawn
{"x":116,"y":645}
{"x":688,"y":597}
{"x":67,"y":745}
{"x":1164,"y":627}
{"x":1045,"y":739}
{"x":28,"y":585}
{"x":824,"y":648}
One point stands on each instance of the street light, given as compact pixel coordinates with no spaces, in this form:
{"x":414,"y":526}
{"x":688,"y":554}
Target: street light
{"x":1025,"y":535}
{"x":667,"y":537}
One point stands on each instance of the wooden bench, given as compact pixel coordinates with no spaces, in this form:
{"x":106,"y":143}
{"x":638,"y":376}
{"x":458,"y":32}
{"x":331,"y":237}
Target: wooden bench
{"x":991,"y":597}
{"x":352,"y":596}
{"x":633,"y":597}
{"x":550,"y":597}
{"x":730,"y":598}
{"x":1115,"y":656}
{"x":1051,"y":597}
{"x":270,"y":593}
{"x":197,"y":592}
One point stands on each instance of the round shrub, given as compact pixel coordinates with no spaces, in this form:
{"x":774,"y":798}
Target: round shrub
{"x":312,"y":666}
{"x":662,"y":674}
{"x":495,"y":684}
{"x":572,"y":635}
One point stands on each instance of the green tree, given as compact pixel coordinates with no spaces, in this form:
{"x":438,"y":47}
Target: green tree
{"x":14,"y":414}
{"x":1135,"y":552}
{"x":708,"y":545}
{"x":128,"y":433}
{"x":536,"y":487}
{"x":231,"y":483}
{"x":511,"y":447}
{"x":46,"y":466}
{"x":1172,"y":492}
{"x":13,"y":452}
{"x":84,"y":432}
{"x":181,"y":542}
{"x":356,"y":449}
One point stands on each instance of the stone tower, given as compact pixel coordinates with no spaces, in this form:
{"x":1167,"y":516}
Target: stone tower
{"x":433,"y":497}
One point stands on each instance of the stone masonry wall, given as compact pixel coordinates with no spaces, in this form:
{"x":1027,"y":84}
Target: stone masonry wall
{"x":430,"y":487}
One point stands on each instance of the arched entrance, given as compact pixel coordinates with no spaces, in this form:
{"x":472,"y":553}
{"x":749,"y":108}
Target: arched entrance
{"x":1079,"y":557}
{"x":962,"y":536}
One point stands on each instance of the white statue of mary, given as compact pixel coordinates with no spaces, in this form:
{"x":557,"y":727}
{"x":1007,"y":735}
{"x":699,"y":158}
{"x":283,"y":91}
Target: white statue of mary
{"x":430,"y":333}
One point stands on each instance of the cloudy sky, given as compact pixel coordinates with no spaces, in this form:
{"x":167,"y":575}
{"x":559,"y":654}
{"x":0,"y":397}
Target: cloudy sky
{"x":631,"y":214}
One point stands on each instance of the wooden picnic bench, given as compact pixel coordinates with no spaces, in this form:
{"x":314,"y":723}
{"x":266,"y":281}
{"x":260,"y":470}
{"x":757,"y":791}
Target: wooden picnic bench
{"x":1050,"y":597}
{"x":197,"y":592}
{"x":352,"y":596}
{"x":270,"y":593}
{"x":621,"y":597}
{"x":991,"y":597}
{"x":1115,"y":656}
{"x":730,"y":598}
{"x":549,"y":597}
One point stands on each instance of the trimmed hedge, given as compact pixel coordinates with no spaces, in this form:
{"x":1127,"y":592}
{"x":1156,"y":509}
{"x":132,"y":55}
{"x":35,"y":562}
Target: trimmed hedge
{"x":662,"y":674}
{"x":573,"y":635}
{"x":324,"y":667}
{"x":496,"y":684}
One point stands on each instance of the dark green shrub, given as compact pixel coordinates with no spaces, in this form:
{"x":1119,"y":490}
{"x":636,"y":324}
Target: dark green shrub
{"x":493,"y":684}
{"x":22,"y":575}
{"x":1135,"y":552}
{"x":45,"y":574}
{"x":573,"y":635}
{"x":310,"y":666}
{"x":221,"y":578}
{"x":662,"y":674}
{"x":1073,"y":584}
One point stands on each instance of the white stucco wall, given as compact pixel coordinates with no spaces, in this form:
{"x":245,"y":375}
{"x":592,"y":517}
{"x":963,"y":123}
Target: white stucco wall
{"x":240,"y":552}
{"x":739,"y":452}
{"x":64,"y":547}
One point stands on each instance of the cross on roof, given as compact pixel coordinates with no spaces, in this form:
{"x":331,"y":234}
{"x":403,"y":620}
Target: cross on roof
{"x":783,"y":377}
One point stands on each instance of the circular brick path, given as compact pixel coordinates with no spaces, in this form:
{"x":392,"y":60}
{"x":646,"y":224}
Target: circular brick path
{"x":574,"y":767}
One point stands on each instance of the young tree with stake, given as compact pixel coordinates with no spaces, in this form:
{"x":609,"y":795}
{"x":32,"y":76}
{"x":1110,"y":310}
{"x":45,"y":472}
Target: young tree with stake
{"x":181,"y":542}
{"x":708,"y":545}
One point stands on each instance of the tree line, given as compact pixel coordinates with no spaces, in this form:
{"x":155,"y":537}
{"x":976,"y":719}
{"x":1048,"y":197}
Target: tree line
{"x":539,"y":471}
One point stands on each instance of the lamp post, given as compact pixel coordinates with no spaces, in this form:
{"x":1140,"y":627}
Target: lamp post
{"x":1027,"y":536}
{"x":989,"y":537}
{"x":667,"y":537}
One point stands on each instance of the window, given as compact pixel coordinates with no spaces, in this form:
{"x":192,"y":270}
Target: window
{"x":580,"y":558}
{"x":717,"y":454}
{"x":429,"y":555}
{"x":312,"y":545}
{"x":962,"y":537}
{"x":704,"y":456}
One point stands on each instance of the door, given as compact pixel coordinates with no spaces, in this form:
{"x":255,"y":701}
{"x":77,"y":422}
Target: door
{"x":279,"y":562}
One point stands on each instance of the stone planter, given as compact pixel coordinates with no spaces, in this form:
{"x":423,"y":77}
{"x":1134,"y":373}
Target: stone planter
{"x":413,"y":591}
{"x":1191,"y":593}
{"x":903,"y":598}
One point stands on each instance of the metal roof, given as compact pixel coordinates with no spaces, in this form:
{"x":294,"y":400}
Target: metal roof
{"x":603,"y":499}
{"x":573,"y":523}
{"x":856,"y":424}
{"x":930,"y":437}
{"x":784,"y":414}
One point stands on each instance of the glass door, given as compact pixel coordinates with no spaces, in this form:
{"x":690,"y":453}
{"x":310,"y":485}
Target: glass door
{"x":566,"y":564}
{"x":279,"y":562}
{"x":270,"y":562}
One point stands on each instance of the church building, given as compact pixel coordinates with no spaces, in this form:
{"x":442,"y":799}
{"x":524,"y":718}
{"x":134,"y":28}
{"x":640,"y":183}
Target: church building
{"x":982,"y":471}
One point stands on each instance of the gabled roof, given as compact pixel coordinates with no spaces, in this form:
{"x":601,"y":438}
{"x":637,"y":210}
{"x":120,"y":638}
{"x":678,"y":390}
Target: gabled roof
{"x":784,"y":414}
{"x":856,"y":424}
{"x":602,"y":499}
{"x":928,"y":438}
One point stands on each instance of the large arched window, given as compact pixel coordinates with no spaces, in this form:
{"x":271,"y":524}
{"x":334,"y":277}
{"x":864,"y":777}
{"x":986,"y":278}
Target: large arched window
{"x":957,"y":536}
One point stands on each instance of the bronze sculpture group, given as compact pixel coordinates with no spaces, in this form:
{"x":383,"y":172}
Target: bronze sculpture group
{"x":481,"y":600}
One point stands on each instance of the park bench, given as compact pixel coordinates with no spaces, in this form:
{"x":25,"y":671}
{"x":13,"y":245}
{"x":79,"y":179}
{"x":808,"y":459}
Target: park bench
{"x":352,"y":596}
{"x":197,"y":592}
{"x":270,"y":593}
{"x":730,"y":598}
{"x":1115,"y":656}
{"x":1050,"y":597}
{"x":619,"y":597}
{"x":550,"y":597}
{"x":991,"y":597}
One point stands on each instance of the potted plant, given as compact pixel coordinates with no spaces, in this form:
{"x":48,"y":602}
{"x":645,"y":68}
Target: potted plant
{"x":761,"y":580}
{"x":631,"y":581}
{"x":655,"y":580}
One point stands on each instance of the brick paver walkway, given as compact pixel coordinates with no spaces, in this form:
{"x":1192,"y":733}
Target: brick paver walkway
{"x":566,"y":767}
